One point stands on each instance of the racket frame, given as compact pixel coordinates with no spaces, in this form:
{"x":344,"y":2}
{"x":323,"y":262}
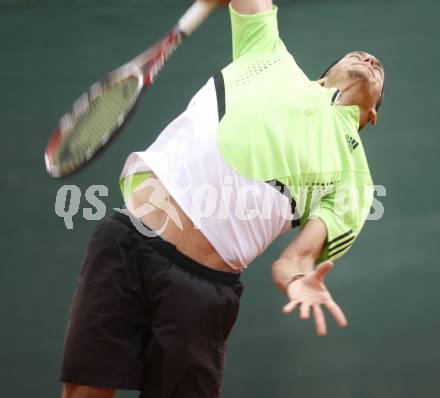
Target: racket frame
{"x":145,"y":67}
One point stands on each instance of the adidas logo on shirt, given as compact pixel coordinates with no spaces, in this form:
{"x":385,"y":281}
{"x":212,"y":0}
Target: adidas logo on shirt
{"x":352,"y":143}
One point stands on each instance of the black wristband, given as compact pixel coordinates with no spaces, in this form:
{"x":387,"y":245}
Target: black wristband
{"x":295,"y":278}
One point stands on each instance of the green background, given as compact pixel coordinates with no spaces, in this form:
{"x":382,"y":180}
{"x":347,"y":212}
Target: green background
{"x":387,"y":284}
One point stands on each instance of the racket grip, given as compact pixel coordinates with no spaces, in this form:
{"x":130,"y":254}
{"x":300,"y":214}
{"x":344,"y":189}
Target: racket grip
{"x":195,"y":15}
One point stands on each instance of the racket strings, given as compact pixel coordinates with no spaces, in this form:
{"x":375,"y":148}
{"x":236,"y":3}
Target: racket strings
{"x":92,"y":128}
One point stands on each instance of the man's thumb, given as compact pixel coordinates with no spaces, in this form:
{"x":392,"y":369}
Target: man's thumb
{"x":323,"y":268}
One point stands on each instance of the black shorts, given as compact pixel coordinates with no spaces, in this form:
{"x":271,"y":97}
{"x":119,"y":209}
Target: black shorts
{"x":146,"y":317}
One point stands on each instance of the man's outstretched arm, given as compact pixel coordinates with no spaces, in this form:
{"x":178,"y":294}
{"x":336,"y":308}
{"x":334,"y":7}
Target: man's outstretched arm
{"x":251,"y":6}
{"x":308,"y":291}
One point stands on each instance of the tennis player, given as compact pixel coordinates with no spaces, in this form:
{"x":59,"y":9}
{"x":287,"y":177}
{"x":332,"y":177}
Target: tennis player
{"x":260,"y":149}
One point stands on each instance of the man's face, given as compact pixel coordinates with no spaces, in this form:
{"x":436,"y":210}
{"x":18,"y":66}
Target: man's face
{"x":359,"y":67}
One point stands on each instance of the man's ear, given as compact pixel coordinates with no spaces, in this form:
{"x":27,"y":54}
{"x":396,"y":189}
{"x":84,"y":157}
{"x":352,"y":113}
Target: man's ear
{"x":372,"y":117}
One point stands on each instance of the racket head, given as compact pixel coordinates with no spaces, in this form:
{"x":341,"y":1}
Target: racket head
{"x":93,"y":121}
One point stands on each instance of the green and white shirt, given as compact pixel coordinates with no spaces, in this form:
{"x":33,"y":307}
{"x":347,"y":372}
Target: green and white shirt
{"x":261,"y":148}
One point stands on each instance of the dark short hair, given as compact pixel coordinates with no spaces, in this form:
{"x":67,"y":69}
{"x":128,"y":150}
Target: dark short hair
{"x":379,"y":102}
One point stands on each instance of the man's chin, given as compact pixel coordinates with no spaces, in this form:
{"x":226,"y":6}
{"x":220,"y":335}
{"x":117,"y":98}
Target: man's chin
{"x":360,"y":73}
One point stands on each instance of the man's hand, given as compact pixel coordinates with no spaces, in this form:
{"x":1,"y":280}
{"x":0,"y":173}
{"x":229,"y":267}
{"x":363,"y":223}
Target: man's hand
{"x":310,"y":292}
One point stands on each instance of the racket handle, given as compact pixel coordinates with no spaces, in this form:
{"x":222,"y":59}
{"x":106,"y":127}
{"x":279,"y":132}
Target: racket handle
{"x":195,"y":15}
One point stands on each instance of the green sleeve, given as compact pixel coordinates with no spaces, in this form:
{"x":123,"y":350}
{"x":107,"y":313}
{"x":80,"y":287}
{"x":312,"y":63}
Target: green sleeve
{"x":344,"y":214}
{"x":255,"y":32}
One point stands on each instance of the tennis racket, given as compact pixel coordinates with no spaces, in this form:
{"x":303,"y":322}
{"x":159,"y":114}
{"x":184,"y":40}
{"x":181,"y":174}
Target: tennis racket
{"x":103,"y":109}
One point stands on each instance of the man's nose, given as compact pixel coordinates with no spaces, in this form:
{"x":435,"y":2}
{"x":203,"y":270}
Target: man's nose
{"x":371,"y":60}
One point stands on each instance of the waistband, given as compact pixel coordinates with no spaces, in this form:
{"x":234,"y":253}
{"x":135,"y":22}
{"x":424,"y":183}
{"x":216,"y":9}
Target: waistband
{"x":171,"y":251}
